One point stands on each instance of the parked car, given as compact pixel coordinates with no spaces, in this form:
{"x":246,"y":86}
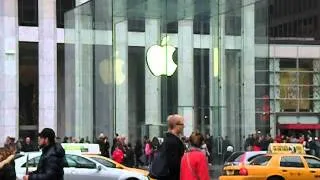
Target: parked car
{"x":77,"y":167}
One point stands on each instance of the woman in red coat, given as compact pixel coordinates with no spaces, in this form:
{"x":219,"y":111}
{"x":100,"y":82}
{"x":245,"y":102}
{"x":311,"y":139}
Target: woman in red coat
{"x":194,"y":165}
{"x":118,"y":154}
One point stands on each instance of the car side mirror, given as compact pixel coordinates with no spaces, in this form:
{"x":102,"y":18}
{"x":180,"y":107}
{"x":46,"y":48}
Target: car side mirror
{"x":99,"y":168}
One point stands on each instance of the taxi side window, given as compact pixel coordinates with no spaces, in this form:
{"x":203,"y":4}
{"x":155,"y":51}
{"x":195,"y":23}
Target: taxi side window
{"x":291,"y":161}
{"x":312,"y":162}
{"x":79,"y":162}
{"x":261,"y":160}
{"x":32,"y":162}
{"x":104,"y":162}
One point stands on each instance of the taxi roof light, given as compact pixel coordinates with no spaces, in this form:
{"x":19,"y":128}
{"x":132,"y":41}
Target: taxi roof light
{"x":284,"y":148}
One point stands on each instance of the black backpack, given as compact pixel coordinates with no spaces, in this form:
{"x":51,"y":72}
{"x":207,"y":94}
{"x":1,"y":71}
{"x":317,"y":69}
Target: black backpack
{"x":159,"y":166}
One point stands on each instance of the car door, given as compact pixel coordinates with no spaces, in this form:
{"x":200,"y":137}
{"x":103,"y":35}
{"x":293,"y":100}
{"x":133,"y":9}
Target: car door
{"x":314,"y":167}
{"x":82,"y":168}
{"x":293,"y":168}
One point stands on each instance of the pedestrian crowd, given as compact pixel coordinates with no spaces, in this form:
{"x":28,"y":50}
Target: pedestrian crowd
{"x":169,"y":158}
{"x":259,"y":142}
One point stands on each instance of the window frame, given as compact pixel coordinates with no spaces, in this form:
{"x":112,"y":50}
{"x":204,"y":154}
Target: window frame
{"x":99,"y":160}
{"x":306,"y":159}
{"x":80,"y":165}
{"x":267,"y":159}
{"x":291,"y":166}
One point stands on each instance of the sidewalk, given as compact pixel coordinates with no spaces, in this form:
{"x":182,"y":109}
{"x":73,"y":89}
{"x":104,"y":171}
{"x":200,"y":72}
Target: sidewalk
{"x":214,"y":170}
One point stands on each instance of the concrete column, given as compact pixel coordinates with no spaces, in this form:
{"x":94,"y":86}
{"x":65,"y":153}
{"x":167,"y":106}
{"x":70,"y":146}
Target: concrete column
{"x":185,"y":74}
{"x":120,"y":58}
{"x":70,"y":46}
{"x":83,"y":126}
{"x":47,"y":65}
{"x":214,"y":71}
{"x":248,"y":57}
{"x":274,"y":77}
{"x":152,"y":83}
{"x":9,"y":64}
{"x":316,"y":88}
{"x":223,"y":130}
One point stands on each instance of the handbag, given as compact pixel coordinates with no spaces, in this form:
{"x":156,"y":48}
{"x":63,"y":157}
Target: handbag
{"x":159,"y":166}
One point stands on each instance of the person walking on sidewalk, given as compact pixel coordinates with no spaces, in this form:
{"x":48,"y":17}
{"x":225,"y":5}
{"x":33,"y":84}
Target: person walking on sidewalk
{"x":166,"y":165}
{"x":52,"y":159}
{"x":194,"y":164}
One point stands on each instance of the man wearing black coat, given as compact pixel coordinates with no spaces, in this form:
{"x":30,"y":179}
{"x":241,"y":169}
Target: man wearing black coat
{"x":52,"y":160}
{"x":174,"y":147}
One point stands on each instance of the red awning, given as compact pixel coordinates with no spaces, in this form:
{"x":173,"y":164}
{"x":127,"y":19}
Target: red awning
{"x":299,"y":126}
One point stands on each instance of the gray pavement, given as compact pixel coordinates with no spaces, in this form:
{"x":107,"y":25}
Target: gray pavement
{"x":214,"y":171}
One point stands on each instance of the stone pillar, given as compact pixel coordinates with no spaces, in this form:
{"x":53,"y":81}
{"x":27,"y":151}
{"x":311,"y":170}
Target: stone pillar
{"x":70,"y":46}
{"x":9,"y":72}
{"x":47,"y":65}
{"x":248,"y":57}
{"x":152,"y":83}
{"x":214,"y":71}
{"x":222,"y":131}
{"x":274,"y":77}
{"x":185,"y":74}
{"x":316,"y":83}
{"x":83,"y":126}
{"x":120,"y":60}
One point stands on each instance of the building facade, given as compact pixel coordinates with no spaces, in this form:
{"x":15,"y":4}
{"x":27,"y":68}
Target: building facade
{"x":230,"y":67}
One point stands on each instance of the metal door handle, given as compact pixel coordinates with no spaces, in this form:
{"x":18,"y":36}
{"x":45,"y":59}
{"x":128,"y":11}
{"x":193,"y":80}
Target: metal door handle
{"x":313,"y":171}
{"x":284,"y":171}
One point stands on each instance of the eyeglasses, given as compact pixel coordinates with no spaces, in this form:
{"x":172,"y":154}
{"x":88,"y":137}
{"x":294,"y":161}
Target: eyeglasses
{"x":180,"y":124}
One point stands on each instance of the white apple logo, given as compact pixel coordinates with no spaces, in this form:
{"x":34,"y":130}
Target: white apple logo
{"x":159,"y":59}
{"x":105,"y":67}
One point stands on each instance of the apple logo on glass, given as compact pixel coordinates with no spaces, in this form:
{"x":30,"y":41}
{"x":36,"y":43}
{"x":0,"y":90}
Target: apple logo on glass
{"x":159,"y":59}
{"x":105,"y":67}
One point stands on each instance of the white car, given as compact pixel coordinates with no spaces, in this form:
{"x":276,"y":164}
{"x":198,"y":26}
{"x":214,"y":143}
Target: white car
{"x":77,"y":167}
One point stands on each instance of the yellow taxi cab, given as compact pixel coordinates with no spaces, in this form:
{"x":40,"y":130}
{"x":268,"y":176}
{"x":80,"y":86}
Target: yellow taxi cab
{"x":283,"y":162}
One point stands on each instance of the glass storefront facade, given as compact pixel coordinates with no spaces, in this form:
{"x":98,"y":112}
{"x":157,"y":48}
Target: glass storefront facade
{"x":129,"y":64}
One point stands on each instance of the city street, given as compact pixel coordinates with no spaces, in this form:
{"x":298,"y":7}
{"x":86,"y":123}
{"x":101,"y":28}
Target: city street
{"x":215,"y":171}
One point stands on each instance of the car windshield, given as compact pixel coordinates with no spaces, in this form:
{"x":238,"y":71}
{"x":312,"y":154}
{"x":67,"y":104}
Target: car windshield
{"x":261,"y":160}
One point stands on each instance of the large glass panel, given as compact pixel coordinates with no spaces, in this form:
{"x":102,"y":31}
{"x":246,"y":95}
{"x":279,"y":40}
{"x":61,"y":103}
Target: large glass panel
{"x":206,"y":60}
{"x":63,"y":6}
{"x":28,"y":90}
{"x":28,"y":12}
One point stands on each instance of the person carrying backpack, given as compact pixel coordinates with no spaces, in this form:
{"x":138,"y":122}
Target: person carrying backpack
{"x":166,"y":165}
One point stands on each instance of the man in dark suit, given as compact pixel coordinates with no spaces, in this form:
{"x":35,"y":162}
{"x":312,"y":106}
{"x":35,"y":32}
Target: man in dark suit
{"x":174,"y":147}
